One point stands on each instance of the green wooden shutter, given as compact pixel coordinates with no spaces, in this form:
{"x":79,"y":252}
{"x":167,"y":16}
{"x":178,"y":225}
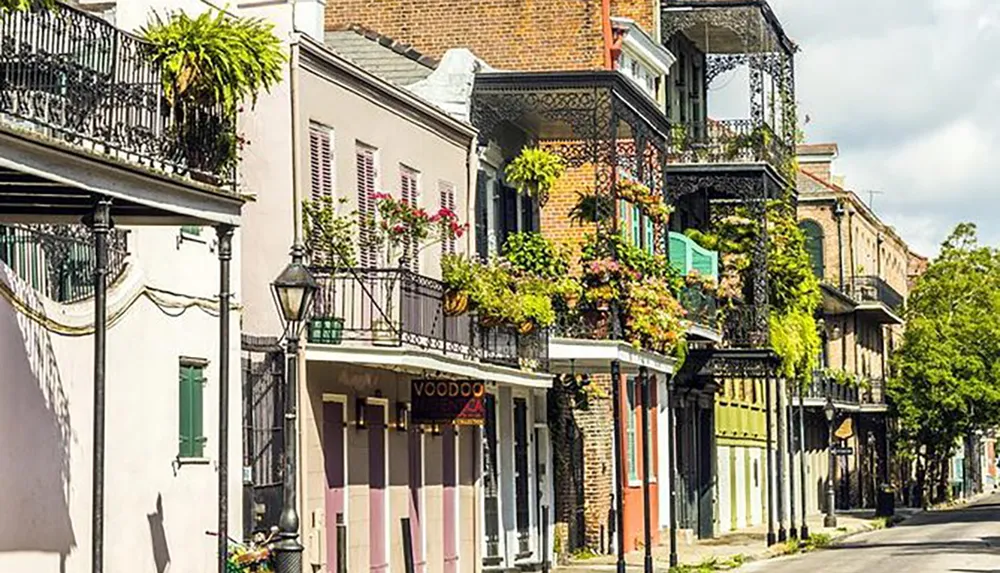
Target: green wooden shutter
{"x":186,"y":446}
{"x":814,"y":245}
{"x":191,"y":434}
{"x":623,"y":219}
{"x":650,"y":235}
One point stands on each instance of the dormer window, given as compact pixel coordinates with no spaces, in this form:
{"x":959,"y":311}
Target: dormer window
{"x":642,"y":60}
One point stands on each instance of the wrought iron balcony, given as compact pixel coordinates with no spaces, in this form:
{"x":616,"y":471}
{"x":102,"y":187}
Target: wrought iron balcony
{"x":824,"y":386}
{"x":727,"y":141}
{"x":72,"y":78}
{"x":58,"y":260}
{"x":400,"y":308}
{"x":875,"y":289}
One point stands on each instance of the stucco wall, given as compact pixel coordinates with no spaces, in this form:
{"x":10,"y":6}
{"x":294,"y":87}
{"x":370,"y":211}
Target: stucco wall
{"x":157,"y":511}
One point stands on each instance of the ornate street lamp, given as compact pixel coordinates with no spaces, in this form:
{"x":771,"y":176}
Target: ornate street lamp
{"x":830,"y":411}
{"x":293,"y":292}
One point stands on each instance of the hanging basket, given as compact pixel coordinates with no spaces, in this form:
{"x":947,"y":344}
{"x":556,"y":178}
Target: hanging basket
{"x":456,"y":303}
{"x":526,"y":327}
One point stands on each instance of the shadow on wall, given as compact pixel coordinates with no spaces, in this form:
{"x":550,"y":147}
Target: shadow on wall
{"x":158,"y":535}
{"x":36,"y":435}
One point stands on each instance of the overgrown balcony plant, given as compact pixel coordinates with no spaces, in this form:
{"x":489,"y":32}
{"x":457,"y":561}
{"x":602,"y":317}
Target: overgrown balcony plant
{"x":534,"y":172}
{"x":14,"y":5}
{"x":210,"y":65}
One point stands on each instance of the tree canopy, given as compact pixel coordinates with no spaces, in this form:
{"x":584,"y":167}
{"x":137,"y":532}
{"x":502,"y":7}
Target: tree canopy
{"x":946,"y":374}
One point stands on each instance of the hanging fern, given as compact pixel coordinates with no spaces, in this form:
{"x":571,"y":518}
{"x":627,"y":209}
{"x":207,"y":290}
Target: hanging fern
{"x":214,"y":58}
{"x":534,"y":171}
{"x":12,"y":5}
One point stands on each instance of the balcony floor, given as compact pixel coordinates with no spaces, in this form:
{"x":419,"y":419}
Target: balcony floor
{"x":422,"y":362}
{"x":44,"y":181}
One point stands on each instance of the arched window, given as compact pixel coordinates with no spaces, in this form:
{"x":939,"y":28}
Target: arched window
{"x":814,"y":244}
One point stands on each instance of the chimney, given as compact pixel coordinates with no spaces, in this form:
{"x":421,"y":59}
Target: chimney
{"x":817,"y":159}
{"x":309,"y":16}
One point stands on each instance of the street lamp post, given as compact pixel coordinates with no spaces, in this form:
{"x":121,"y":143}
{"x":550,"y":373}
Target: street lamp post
{"x":830,"y":411}
{"x":293,"y":293}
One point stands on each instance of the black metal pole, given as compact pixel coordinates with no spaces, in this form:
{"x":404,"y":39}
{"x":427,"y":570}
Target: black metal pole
{"x":617,"y":420}
{"x":647,"y":527}
{"x":672,"y":478}
{"x":780,"y":465}
{"x":771,"y":537}
{"x":225,"y":235}
{"x":408,"y":565}
{"x":793,"y":531}
{"x":804,"y":531}
{"x":341,"y":544}
{"x":100,"y":223}
{"x":288,"y":550}
{"x":545,"y":539}
{"x":831,"y":496}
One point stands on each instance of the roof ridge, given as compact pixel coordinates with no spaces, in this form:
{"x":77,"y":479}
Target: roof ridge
{"x":826,"y":184}
{"x":400,"y":48}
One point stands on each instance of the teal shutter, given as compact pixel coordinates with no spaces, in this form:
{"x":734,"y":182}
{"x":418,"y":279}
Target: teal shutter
{"x":687,"y":256}
{"x":679,"y":253}
{"x":636,"y":234}
{"x":814,"y":245}
{"x":623,"y":219}
{"x":650,"y":235}
{"x":191,"y":435}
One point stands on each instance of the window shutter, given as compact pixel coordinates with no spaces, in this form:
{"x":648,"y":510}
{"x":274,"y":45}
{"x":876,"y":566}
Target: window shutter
{"x":650,"y":232}
{"x":366,"y":205}
{"x":482,"y":213}
{"x":186,"y":445}
{"x":508,"y":211}
{"x":197,"y":411}
{"x":814,"y":245}
{"x":408,"y":193}
{"x":636,"y":231}
{"x":320,"y":181}
{"x":447,"y":193}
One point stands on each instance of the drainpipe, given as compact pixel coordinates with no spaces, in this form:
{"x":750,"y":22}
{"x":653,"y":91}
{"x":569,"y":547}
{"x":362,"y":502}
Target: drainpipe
{"x":838,"y":214}
{"x":293,"y":90}
{"x":606,"y":33}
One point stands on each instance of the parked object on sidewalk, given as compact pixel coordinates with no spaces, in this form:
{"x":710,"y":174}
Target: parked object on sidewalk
{"x":886,"y":506}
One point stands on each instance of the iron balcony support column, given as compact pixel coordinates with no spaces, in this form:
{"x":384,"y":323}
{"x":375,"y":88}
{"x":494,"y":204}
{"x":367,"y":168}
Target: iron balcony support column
{"x":672,"y":478}
{"x":780,"y":465}
{"x":225,"y":235}
{"x":830,"y":520}
{"x":617,"y":465}
{"x":646,"y":510}
{"x":771,"y":537}
{"x":100,"y":223}
{"x":793,"y":531}
{"x":804,"y":532}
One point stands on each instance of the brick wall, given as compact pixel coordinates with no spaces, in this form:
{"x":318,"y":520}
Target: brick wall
{"x":509,"y":34}
{"x":642,"y":11}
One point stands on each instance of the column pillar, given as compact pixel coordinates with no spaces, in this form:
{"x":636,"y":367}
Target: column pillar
{"x":100,"y":224}
{"x":225,"y":236}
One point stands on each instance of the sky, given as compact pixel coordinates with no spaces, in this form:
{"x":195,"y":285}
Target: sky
{"x":909,"y":90}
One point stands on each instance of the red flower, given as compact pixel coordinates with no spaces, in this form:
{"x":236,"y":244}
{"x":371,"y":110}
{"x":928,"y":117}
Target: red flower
{"x":381,"y":196}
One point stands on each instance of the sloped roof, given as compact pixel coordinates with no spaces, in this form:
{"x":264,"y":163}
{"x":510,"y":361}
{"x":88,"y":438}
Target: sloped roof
{"x":393,"y":61}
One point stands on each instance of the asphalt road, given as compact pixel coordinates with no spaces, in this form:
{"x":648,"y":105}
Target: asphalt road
{"x":964,"y":540}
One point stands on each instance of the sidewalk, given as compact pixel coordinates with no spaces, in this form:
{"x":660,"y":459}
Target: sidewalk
{"x":741,"y":546}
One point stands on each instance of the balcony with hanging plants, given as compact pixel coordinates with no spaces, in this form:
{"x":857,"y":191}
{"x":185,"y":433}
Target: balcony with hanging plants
{"x":475,"y":312}
{"x":164,"y":100}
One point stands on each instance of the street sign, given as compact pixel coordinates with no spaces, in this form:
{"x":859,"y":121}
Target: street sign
{"x":842,"y":451}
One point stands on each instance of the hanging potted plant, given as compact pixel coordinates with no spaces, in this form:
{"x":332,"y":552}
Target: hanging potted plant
{"x":209,"y":66}
{"x":458,"y":273}
{"x":17,"y":5}
{"x":534,"y":172}
{"x":330,"y":244}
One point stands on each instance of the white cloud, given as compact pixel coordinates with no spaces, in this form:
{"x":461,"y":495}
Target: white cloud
{"x":909,"y":90}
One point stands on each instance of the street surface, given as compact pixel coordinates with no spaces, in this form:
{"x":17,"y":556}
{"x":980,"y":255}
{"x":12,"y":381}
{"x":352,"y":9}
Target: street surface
{"x":964,"y":540}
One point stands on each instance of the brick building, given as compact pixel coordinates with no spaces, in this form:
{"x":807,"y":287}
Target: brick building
{"x":864,"y":269}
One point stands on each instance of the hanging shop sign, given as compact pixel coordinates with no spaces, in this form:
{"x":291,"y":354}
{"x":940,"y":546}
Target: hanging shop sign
{"x":458,"y":402}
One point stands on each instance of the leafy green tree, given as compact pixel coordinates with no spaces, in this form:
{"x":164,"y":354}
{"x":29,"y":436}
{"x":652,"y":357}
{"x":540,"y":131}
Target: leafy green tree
{"x":946,"y":374}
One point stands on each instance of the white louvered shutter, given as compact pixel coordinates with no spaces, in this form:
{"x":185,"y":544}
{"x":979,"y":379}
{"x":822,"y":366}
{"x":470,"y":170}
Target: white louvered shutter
{"x":446,"y":190}
{"x":320,"y":181}
{"x":408,"y":192}
{"x":366,"y":205}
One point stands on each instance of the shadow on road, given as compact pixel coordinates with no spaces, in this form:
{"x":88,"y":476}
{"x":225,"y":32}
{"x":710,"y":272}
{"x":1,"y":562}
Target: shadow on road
{"x":984,"y":545}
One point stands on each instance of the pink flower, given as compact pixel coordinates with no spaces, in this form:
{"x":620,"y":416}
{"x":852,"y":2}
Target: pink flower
{"x":446,"y":213}
{"x":381,"y":196}
{"x":398,"y":229}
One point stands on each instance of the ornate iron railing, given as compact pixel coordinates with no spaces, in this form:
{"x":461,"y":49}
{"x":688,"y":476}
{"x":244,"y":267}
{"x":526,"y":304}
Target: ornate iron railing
{"x":824,"y":385}
{"x":58,"y":260}
{"x":74,"y":78}
{"x":397,"y":307}
{"x":727,"y":141}
{"x":875,"y":289}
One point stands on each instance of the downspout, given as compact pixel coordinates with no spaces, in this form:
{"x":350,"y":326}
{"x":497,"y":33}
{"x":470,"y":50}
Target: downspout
{"x":606,"y":33}
{"x":293,"y":89}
